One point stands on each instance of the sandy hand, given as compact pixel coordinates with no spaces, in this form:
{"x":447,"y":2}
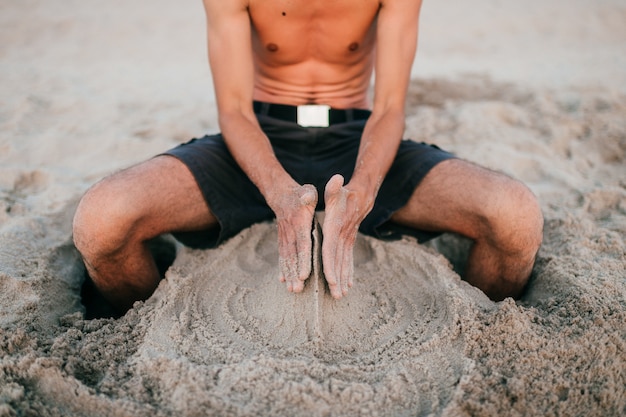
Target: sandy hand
{"x":294,"y":216}
{"x":341,"y":223}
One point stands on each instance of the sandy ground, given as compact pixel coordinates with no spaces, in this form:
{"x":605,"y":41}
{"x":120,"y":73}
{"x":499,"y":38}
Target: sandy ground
{"x":532,"y":89}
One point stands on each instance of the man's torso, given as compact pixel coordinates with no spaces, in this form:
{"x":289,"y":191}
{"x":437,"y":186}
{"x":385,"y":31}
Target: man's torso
{"x":313,"y":51}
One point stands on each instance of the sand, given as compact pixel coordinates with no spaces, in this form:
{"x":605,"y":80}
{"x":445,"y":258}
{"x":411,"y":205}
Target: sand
{"x":536,"y":91}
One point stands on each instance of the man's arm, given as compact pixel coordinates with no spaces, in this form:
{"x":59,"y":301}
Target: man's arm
{"x":347,"y":206}
{"x":230,"y":58}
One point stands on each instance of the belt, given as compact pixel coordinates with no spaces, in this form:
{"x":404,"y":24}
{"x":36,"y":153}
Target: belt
{"x":310,"y":115}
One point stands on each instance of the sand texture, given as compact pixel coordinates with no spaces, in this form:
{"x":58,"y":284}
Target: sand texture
{"x":88,"y":89}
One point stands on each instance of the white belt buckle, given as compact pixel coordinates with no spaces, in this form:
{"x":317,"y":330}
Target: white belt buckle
{"x":314,"y":115}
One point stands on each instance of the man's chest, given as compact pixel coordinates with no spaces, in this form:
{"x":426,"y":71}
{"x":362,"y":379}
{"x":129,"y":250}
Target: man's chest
{"x":326,"y":29}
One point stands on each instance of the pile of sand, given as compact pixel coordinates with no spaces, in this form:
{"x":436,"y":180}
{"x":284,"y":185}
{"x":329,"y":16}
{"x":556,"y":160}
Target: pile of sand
{"x":222,"y":336}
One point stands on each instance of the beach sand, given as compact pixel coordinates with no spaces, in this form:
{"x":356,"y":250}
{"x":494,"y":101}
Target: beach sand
{"x":535,"y":91}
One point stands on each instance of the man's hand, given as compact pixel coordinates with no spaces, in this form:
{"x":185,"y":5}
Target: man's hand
{"x":294,"y":211}
{"x":345,"y":211}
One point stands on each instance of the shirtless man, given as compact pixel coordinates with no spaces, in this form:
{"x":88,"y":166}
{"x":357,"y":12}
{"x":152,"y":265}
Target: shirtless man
{"x":352,"y":163}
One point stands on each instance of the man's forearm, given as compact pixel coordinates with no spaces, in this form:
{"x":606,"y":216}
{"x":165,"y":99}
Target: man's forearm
{"x":379,"y":145}
{"x":253,"y":152}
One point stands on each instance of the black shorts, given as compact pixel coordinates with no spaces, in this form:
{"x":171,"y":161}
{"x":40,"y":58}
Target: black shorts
{"x":310,"y":156}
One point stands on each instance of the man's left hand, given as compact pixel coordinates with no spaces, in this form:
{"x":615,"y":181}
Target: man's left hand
{"x":345,"y":210}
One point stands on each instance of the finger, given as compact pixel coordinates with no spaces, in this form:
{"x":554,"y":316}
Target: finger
{"x":281,"y":255}
{"x":332,"y":268}
{"x":304,"y":247}
{"x":351,"y":270}
{"x":347,"y":268}
{"x":309,"y":196}
{"x":329,"y":247}
{"x":287,"y":258}
{"x":333,"y":189}
{"x":339,"y":272}
{"x":288,"y":270}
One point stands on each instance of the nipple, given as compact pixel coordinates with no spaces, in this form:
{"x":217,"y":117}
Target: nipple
{"x":272,"y":47}
{"x":353,"y":46}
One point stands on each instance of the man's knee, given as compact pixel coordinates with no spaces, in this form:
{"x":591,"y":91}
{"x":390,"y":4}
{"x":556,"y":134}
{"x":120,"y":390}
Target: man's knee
{"x":103,"y":219}
{"x":515,"y":221}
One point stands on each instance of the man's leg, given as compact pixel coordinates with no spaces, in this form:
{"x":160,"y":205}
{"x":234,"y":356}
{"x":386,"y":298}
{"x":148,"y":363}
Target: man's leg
{"x":119,"y":215}
{"x":499,"y":214}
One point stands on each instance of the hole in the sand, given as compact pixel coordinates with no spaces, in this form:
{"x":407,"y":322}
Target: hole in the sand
{"x":163,"y":250}
{"x":96,"y":307}
{"x":454,"y":248}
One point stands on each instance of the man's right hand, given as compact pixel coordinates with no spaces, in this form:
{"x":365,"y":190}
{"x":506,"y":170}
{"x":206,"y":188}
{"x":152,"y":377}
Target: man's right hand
{"x":295,"y":209}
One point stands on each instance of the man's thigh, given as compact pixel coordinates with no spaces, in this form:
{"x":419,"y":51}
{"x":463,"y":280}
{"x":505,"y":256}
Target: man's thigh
{"x":139,"y":203}
{"x":163,"y":196}
{"x":457,"y":196}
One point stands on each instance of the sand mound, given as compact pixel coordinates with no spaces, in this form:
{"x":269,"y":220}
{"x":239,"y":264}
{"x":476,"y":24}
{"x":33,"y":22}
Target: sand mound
{"x":225,"y":312}
{"x":237,"y":295}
